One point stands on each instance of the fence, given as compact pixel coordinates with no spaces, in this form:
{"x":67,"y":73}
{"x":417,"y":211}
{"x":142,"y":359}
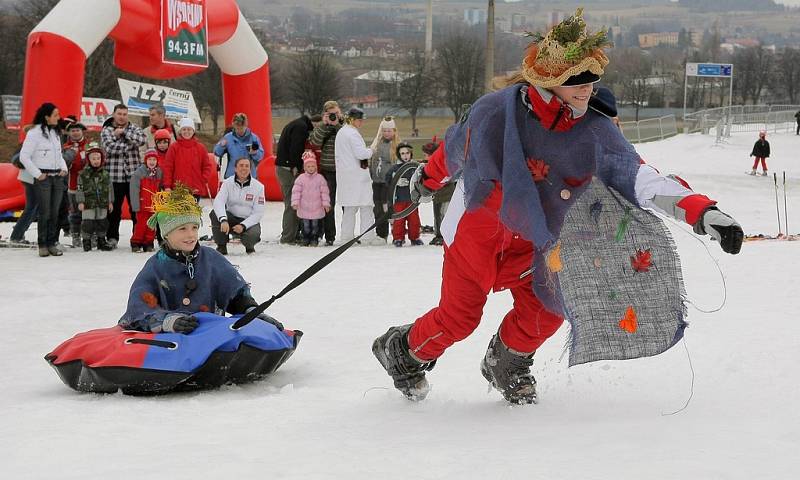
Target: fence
{"x":650,"y":129}
{"x":741,"y":118}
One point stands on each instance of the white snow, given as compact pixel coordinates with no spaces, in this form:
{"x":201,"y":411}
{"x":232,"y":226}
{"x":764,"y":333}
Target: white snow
{"x":331,"y":412}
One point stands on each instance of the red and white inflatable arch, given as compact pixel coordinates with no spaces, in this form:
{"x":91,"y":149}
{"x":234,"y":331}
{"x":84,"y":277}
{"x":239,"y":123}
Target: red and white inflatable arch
{"x":59,"y":45}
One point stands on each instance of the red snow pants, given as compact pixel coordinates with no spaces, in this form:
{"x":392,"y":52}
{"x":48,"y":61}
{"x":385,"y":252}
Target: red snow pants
{"x":763,"y":163}
{"x":399,"y":225}
{"x":484,"y":256}
{"x":142,"y":234}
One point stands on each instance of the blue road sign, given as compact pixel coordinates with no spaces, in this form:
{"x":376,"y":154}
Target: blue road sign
{"x":714,"y":69}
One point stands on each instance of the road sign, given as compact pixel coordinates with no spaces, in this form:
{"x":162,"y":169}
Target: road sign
{"x":724,"y":70}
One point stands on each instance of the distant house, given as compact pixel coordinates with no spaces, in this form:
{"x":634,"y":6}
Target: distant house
{"x":383,"y":83}
{"x":650,"y":40}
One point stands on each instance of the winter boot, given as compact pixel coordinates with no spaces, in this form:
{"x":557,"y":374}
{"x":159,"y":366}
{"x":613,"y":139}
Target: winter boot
{"x":407,"y":371}
{"x":148,"y":248}
{"x":76,"y":240}
{"x":509,"y":372}
{"x":104,"y":245}
{"x":437,"y":241}
{"x":753,"y":172}
{"x":136,"y":248}
{"x":223,"y":249}
{"x":87,"y":244}
{"x":764,"y":173}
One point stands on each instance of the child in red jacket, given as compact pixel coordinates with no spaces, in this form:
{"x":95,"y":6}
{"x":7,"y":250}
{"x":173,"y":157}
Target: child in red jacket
{"x":145,"y":181}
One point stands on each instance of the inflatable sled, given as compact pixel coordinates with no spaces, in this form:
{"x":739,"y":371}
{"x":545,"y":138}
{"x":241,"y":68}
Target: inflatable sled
{"x":143,"y":363}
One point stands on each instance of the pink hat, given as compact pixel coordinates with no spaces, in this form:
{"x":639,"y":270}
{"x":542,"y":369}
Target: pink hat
{"x":308,"y":157}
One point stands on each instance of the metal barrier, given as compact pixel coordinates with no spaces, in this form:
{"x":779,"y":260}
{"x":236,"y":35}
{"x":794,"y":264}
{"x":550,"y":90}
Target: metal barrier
{"x":741,"y":118}
{"x":650,"y":129}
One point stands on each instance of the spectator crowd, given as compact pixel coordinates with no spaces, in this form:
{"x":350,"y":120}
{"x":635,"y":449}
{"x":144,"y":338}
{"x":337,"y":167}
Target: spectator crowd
{"x":80,"y":187}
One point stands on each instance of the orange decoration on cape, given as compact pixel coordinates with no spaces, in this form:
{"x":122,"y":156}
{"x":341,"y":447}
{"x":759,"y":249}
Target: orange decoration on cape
{"x":149,"y":299}
{"x":629,"y":322}
{"x":554,"y":259}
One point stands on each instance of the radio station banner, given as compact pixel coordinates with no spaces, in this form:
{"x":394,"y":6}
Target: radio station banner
{"x":94,"y":111}
{"x":139,"y":97}
{"x":184,"y":32}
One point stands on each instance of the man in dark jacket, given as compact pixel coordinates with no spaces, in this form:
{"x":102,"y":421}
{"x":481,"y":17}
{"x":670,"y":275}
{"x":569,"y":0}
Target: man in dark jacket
{"x":288,"y":165}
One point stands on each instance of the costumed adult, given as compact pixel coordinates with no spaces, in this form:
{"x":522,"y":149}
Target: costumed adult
{"x":41,"y":156}
{"x":238,"y":208}
{"x":526,"y":154}
{"x":353,"y":182}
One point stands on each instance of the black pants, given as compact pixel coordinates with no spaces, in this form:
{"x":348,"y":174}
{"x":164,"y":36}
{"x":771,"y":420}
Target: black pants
{"x":63,"y":211}
{"x":798,"y":129}
{"x":49,"y":193}
{"x":380,"y":208}
{"x":122,"y":190}
{"x":311,"y":229}
{"x":249,"y":237}
{"x":330,"y":217}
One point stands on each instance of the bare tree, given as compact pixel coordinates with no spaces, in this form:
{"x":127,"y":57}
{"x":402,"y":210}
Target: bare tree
{"x":460,"y":71}
{"x":789,"y":74}
{"x":311,"y":80}
{"x":206,"y":87}
{"x":630,"y":73}
{"x":418,"y":89}
{"x":754,"y":71}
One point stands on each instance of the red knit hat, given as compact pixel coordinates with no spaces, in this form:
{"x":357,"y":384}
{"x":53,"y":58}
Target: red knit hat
{"x":150,"y":153}
{"x":162,"y":134}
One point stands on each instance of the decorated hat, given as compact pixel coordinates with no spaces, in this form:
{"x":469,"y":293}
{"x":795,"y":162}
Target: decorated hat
{"x":569,"y":54}
{"x":430,"y":147}
{"x":174,"y":209}
{"x":403,"y":145}
{"x":388,"y":122}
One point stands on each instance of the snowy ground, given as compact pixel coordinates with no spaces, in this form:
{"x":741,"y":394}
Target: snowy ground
{"x":330,"y":411}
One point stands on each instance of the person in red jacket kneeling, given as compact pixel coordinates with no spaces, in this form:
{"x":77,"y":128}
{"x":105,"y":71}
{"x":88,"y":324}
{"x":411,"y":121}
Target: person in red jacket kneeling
{"x":187,"y":161}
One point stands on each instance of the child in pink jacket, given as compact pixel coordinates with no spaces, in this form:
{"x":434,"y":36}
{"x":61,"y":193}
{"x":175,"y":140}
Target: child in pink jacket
{"x":311,"y":198}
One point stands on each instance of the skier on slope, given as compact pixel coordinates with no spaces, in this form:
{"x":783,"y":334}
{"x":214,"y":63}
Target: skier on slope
{"x":526,"y":153}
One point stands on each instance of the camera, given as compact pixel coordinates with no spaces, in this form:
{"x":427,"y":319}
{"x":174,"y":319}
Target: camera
{"x":254,"y":146}
{"x":333,"y":116}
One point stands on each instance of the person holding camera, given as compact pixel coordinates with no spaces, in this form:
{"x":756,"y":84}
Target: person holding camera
{"x":288,"y":165}
{"x":122,"y":141}
{"x":240,"y":142}
{"x":324,"y":137}
{"x":354,"y":194}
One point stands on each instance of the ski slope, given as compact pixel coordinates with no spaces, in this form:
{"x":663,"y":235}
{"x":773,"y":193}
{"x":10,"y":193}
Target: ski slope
{"x":330,"y":411}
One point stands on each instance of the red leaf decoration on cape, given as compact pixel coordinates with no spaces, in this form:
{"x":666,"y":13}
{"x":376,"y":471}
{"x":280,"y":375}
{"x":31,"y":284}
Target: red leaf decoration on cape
{"x":642,"y":261}
{"x":538,"y":169}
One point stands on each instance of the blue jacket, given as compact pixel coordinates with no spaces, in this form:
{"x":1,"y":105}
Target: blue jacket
{"x":237,"y":147}
{"x":161,"y":286}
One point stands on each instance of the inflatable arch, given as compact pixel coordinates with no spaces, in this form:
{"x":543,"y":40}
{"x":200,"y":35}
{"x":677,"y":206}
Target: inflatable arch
{"x":60,"y":44}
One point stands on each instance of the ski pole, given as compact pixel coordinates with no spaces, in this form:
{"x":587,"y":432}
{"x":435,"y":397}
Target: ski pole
{"x":777,"y":204}
{"x":785,"y":212}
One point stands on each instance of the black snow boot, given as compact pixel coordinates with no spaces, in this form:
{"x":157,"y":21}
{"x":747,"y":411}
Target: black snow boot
{"x":104,"y":245}
{"x":87,"y":244}
{"x":509,"y":372}
{"x":408,"y":372}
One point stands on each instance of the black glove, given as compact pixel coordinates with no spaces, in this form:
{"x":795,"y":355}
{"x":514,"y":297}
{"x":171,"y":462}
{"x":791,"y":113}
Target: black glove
{"x":179,"y":324}
{"x":722,"y":228}
{"x":419,"y":192}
